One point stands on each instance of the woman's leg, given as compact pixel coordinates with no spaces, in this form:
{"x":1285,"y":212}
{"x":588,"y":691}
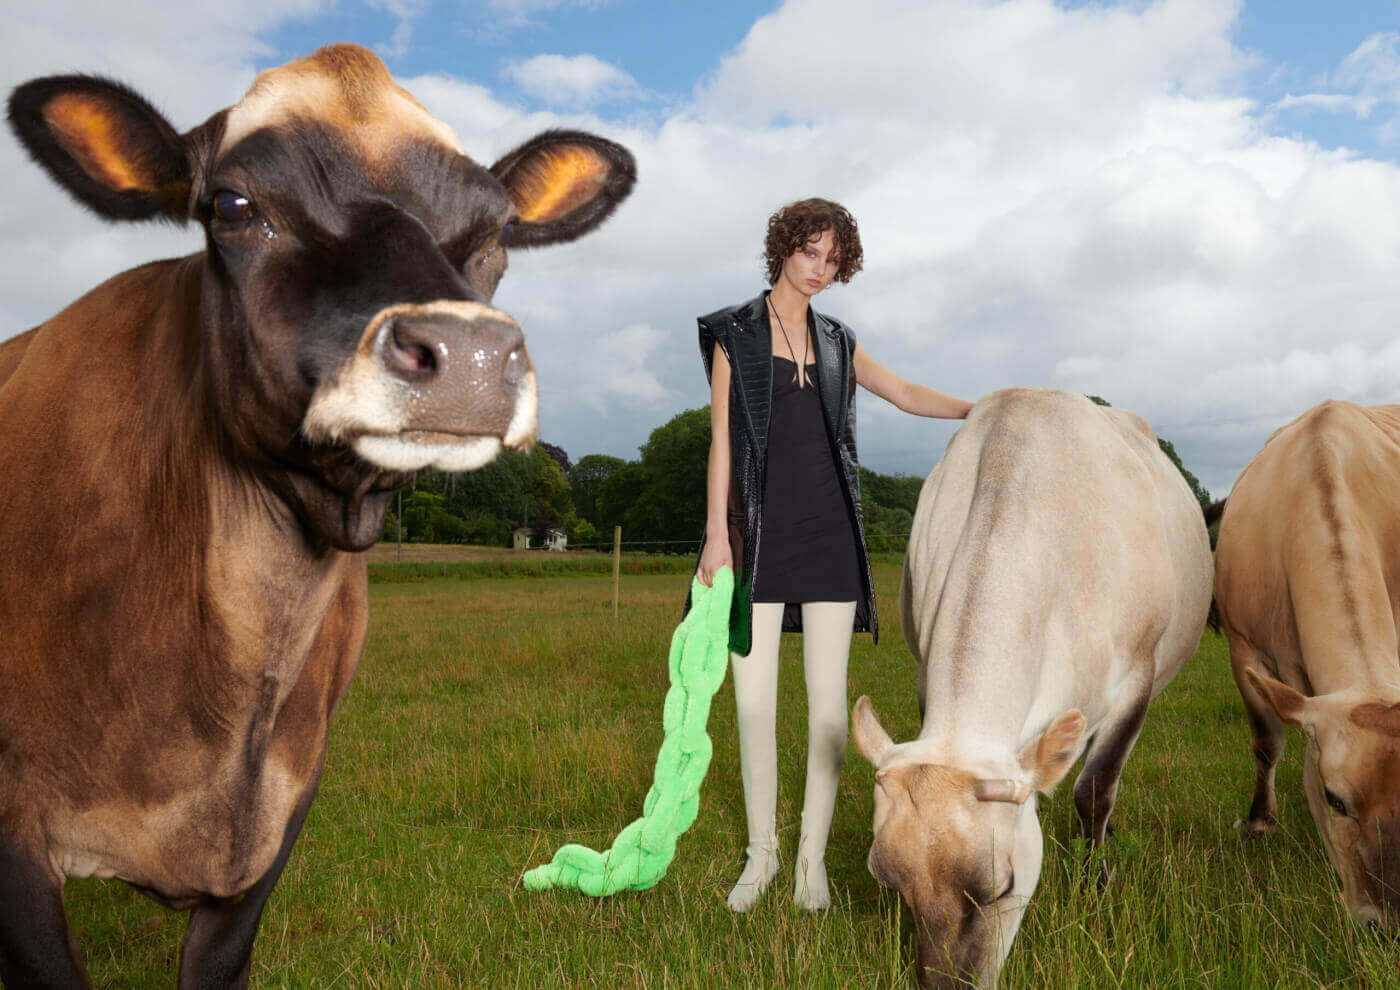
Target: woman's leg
{"x":826,"y":648}
{"x":756,"y":698}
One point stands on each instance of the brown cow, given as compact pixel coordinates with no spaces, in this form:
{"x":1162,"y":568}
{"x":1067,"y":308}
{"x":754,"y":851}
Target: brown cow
{"x":1308,"y":585}
{"x":195,"y":452}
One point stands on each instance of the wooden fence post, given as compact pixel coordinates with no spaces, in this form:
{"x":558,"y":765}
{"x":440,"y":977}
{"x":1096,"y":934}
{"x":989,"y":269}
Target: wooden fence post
{"x":617,"y":564}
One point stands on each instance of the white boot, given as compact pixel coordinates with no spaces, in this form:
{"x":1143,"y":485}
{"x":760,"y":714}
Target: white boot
{"x":826,"y":648}
{"x":756,"y":700}
{"x":759,"y":871}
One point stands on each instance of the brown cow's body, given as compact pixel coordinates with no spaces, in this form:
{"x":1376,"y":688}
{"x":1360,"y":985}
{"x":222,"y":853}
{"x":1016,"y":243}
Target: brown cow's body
{"x":1308,"y":585}
{"x":148,"y":698}
{"x":195,"y":452}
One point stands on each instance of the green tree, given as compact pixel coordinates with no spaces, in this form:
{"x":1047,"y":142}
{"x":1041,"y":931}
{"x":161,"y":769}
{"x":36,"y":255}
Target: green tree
{"x":894,"y":491}
{"x":581,"y":532}
{"x":617,"y":494}
{"x":515,"y":489}
{"x":587,"y":479}
{"x":886,"y":528}
{"x":422,"y":512}
{"x":674,"y":460}
{"x":549,"y":487}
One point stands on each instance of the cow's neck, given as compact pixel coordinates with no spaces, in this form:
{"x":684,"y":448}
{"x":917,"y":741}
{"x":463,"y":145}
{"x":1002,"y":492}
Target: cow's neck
{"x":270,"y":587}
{"x":979,"y":692}
{"x":134,"y":500}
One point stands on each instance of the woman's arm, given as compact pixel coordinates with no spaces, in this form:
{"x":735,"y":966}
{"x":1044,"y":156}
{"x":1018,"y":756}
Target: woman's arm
{"x":717,"y":553}
{"x":917,"y":399}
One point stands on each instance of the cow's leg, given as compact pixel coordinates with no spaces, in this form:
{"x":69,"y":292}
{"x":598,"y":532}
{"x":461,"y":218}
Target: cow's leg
{"x":217,"y":950}
{"x":36,"y":946}
{"x":1096,"y":789}
{"x":1266,"y":730}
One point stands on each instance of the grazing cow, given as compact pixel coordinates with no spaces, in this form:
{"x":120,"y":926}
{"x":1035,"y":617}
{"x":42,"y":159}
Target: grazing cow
{"x":1308,"y":587}
{"x":195,"y":452}
{"x":1058,"y":576}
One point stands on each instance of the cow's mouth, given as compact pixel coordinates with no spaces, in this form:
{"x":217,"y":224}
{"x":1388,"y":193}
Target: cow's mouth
{"x":414,"y":450}
{"x":438,"y":438}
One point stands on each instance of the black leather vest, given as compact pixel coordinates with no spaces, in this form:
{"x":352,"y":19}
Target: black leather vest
{"x":743,"y":333}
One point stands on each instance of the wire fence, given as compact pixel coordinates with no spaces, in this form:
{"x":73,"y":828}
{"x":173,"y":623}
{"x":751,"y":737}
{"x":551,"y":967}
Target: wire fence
{"x":685,"y":545}
{"x":875,"y":541}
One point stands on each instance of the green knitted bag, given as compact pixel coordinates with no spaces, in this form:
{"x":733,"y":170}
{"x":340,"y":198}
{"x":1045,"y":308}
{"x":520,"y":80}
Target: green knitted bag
{"x":643,"y":850}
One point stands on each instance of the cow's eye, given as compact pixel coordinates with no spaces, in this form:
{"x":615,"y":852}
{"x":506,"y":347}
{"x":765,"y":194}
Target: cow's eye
{"x":232,"y":207}
{"x":1334,"y":802}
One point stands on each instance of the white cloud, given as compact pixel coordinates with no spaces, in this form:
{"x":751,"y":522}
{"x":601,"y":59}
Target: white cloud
{"x":406,"y":12}
{"x":615,"y":367}
{"x":1374,"y":67}
{"x":572,"y":80}
{"x":521,"y":13}
{"x":1078,"y":197}
{"x":51,"y":249}
{"x":1365,"y":85}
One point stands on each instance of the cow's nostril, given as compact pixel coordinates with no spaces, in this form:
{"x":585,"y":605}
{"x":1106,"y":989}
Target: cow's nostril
{"x":412,"y":348}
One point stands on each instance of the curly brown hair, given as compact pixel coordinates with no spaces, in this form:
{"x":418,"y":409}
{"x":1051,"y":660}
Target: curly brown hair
{"x":797,"y":223}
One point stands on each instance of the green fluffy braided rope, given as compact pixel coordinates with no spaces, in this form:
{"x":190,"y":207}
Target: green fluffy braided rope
{"x":643,"y":850}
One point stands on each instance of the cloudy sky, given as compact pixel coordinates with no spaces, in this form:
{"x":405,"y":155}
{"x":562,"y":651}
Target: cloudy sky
{"x":1189,"y":207}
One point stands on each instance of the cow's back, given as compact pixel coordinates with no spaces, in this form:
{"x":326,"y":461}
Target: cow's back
{"x":1308,"y":561}
{"x":11,"y":353}
{"x":1056,"y":555}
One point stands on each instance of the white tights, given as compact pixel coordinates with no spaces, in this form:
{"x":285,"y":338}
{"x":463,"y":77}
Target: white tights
{"x":826,"y":648}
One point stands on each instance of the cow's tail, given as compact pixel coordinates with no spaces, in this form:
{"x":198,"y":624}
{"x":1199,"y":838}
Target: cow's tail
{"x":1212,"y":514}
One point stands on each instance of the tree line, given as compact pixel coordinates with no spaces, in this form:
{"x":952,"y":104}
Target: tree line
{"x":658,"y":499}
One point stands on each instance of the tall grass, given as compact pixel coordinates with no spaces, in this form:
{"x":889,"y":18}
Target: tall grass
{"x":493,"y":720}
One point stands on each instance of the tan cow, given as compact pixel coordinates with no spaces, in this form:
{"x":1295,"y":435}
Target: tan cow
{"x":1058,"y":576}
{"x":1308,"y":584}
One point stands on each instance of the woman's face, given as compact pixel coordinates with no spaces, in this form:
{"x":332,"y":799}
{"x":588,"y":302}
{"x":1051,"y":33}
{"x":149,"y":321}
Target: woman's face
{"x":811,"y":267}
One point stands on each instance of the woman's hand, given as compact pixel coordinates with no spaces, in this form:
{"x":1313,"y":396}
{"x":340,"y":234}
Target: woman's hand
{"x":715,"y":555}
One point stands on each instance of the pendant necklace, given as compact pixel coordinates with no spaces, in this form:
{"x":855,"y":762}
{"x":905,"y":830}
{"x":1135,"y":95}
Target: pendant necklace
{"x":797,"y":375}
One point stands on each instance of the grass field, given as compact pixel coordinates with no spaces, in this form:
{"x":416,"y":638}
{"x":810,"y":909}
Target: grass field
{"x":493,"y":719}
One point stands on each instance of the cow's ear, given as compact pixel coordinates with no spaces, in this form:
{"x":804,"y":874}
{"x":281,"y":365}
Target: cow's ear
{"x":563,"y":184}
{"x":1288,"y":704}
{"x":1049,"y":758}
{"x":105,"y":144}
{"x":872,"y":740}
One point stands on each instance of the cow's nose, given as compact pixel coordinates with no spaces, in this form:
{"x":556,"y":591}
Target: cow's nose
{"x":478,"y":352}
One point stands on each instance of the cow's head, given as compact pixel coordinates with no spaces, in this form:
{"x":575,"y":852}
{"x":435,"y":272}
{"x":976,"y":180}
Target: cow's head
{"x":961,"y":845}
{"x":1352,"y":778}
{"x":347,"y":331}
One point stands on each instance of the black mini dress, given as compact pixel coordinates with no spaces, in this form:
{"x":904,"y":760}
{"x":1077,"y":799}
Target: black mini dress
{"x":807,"y":546}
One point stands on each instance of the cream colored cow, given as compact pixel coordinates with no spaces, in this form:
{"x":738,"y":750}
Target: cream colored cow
{"x":1058,"y":576}
{"x":1308,"y":583}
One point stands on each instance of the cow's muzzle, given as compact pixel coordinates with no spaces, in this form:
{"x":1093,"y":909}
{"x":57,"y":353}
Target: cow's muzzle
{"x":444,"y":384}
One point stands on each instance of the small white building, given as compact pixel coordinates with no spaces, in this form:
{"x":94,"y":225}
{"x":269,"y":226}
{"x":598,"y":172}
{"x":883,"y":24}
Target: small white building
{"x":554,"y":539}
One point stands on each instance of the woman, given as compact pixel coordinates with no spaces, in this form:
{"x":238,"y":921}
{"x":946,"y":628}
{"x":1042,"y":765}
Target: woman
{"x":783,"y":476}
